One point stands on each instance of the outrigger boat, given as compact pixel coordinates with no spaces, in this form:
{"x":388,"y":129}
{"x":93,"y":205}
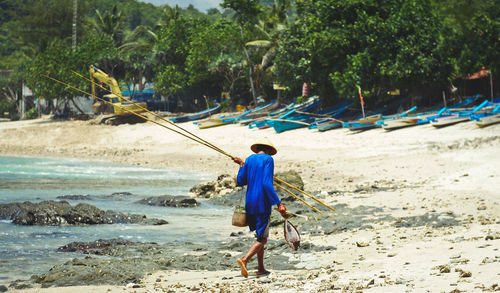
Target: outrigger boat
{"x":446,"y":111}
{"x":324,"y":124}
{"x":489,"y":117}
{"x":396,"y":117}
{"x":370,"y":121}
{"x":422,"y":118}
{"x":455,"y":117}
{"x":199,"y":115}
{"x":224,"y":120}
{"x":308,"y":106}
{"x":259,"y":112}
{"x":365,"y":123}
{"x":260,"y":121}
{"x":306,"y":119}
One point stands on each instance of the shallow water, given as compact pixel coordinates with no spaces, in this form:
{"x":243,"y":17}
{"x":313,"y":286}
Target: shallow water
{"x":27,"y":250}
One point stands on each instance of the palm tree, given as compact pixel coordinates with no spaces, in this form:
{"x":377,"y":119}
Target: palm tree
{"x":110,"y":24}
{"x":270,"y":29}
{"x":246,"y":11}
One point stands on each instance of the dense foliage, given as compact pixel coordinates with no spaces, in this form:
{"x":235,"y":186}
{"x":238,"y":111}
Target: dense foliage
{"x":246,"y":46}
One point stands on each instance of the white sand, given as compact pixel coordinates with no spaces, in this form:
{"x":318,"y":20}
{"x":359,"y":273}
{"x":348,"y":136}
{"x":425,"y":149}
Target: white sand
{"x":454,"y":169}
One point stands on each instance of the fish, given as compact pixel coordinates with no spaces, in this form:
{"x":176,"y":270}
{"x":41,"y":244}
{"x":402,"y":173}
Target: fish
{"x":292,"y":236}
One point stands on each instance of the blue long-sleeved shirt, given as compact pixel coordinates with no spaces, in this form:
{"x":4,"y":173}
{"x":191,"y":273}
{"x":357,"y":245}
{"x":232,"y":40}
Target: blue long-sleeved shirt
{"x":258,"y":173}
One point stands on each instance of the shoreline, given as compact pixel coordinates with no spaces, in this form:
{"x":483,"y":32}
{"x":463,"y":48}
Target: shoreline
{"x":405,"y":174}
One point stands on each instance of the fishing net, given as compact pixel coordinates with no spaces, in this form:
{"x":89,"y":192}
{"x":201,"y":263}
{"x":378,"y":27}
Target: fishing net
{"x":292,"y":236}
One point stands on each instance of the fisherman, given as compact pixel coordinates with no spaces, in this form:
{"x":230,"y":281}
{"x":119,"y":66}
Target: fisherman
{"x":257,"y":172}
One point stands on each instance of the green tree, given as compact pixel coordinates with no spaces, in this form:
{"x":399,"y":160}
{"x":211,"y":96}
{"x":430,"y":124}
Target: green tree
{"x":469,"y":34}
{"x":269,"y":29}
{"x":58,"y":61}
{"x":212,"y":61}
{"x":379,"y":45}
{"x":111,"y":24}
{"x":173,"y":43}
{"x":28,"y":27}
{"x":246,"y":13}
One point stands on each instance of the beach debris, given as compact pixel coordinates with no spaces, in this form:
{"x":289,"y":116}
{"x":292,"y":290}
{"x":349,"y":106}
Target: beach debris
{"x":443,"y":268}
{"x":362,"y":243}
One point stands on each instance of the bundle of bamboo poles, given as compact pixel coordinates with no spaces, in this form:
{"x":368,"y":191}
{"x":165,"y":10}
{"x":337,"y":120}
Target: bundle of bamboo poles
{"x":184,"y":132}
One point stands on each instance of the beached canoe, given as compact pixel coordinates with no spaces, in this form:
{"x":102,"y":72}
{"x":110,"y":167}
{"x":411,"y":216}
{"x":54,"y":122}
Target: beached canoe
{"x":488,"y":120}
{"x":458,"y":116}
{"x":196,"y":116}
{"x":310,"y":105}
{"x":233,"y":118}
{"x":209,"y":123}
{"x":363,"y":123}
{"x":306,"y":119}
{"x":447,"y":111}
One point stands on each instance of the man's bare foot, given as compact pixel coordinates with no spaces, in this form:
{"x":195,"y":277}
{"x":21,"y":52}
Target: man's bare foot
{"x":263,"y":273}
{"x":243,"y":266}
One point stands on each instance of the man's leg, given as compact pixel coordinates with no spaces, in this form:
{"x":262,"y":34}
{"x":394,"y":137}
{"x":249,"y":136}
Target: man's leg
{"x":260,"y":259}
{"x":254,"y":249}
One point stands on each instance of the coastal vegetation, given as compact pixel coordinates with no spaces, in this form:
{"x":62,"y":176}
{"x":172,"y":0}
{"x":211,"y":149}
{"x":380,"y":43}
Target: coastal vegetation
{"x":246,"y":46}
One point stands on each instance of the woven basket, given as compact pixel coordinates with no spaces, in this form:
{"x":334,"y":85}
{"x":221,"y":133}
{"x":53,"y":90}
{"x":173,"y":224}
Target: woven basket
{"x":239,"y":217}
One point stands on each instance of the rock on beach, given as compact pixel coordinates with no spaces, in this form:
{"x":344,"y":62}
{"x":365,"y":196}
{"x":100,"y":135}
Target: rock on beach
{"x":57,"y":213}
{"x":170,"y":201}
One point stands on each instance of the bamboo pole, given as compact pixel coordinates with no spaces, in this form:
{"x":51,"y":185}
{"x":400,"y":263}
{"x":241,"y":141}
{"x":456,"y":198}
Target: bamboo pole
{"x":303,"y":192}
{"x":289,"y":192}
{"x":194,"y":138}
{"x":152,"y":113}
{"x":134,"y":113}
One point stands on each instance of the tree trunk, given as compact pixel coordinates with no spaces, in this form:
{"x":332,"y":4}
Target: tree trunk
{"x":250,"y":68}
{"x":76,"y":106}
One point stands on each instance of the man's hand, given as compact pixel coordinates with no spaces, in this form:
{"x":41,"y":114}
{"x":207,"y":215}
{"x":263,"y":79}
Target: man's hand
{"x":282,"y":210}
{"x":238,"y":161}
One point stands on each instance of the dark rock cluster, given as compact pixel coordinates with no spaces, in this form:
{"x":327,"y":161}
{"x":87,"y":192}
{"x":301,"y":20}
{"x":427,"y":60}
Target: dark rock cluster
{"x":170,"y":201}
{"x":56,"y":213}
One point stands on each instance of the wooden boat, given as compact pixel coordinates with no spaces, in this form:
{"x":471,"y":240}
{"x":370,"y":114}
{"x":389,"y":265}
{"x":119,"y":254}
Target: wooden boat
{"x":407,"y":121}
{"x":328,"y":123}
{"x":488,"y":118}
{"x":457,"y":116}
{"x":310,"y":105}
{"x":196,"y":116}
{"x":224,"y":120}
{"x":306,"y":119}
{"x":363,"y":123}
{"x":396,"y":117}
{"x":446,"y":111}
{"x":259,"y":112}
{"x":259,"y":121}
{"x":209,"y":123}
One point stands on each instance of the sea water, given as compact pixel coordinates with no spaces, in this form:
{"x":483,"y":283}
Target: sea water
{"x":28,"y":250}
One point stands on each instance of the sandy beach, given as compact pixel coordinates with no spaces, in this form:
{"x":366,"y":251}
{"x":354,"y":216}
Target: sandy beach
{"x":419,"y":177}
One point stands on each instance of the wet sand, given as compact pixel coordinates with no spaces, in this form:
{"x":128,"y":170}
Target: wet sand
{"x":432,"y":197}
